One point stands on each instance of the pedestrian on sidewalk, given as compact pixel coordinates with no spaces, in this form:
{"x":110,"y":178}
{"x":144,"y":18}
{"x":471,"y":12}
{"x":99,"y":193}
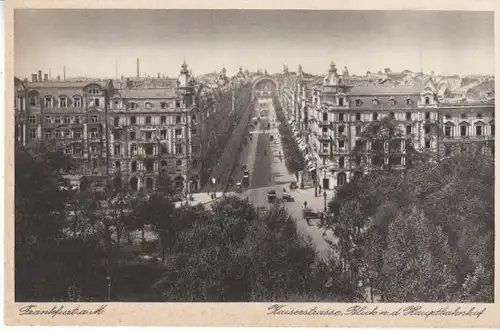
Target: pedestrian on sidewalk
{"x":305,"y":204}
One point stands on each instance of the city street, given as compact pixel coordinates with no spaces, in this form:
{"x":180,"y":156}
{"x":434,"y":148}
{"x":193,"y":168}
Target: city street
{"x":267,"y":171}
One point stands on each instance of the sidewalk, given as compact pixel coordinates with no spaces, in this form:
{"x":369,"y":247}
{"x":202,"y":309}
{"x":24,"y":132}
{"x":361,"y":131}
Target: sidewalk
{"x":200,"y":198}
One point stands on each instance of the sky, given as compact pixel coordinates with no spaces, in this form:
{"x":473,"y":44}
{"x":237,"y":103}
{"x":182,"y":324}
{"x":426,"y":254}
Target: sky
{"x":97,"y":42}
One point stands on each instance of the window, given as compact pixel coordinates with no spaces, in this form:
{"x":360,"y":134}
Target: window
{"x":164,"y":149}
{"x":178,"y":149}
{"x":177,"y":119}
{"x":163,"y":163}
{"x":447,"y":116}
{"x":148,"y":149}
{"x":479,"y":130}
{"x":358,"y":102}
{"x":163,"y":120}
{"x":77,"y":149}
{"x":427,"y":115}
{"x":464,"y":115}
{"x":116,"y":121}
{"x":375,"y":116}
{"x":58,"y":134}
{"x":479,"y":115}
{"x":149,"y":105}
{"x":68,"y":150}
{"x":447,"y":150}
{"x":66,"y":133}
{"x":77,"y":134}
{"x":341,"y":101}
{"x":133,"y":149}
{"x":32,"y":133}
{"x":133,"y":105}
{"x":149,"y":135}
{"x":427,"y":129}
{"x":358,"y":130}
{"x":409,"y":101}
{"x":77,"y":101}
{"x":375,"y":102}
{"x":341,"y":162}
{"x":194,"y":131}
{"x":48,"y":134}
{"x":177,"y":104}
{"x":408,"y":129}
{"x":463,"y":130}
{"x":133,"y":120}
{"x":341,"y":129}
{"x":492,"y":129}
{"x":93,"y":149}
{"x":392,"y":115}
{"x":118,"y":150}
{"x":341,"y":117}
{"x":341,"y":143}
{"x":148,"y":119}
{"x":193,"y":118}
{"x":63,"y":102}
{"x":178,"y":163}
{"x":95,"y":119}
{"x":116,"y":103}
{"x":31,"y":119}
{"x":48,"y":119}
{"x":94,"y":163}
{"x":163,"y":134}
{"x":118,"y":165}
{"x":195,"y":164}
{"x":93,"y":91}
{"x":133,"y":166}
{"x":164,"y":105}
{"x":392,"y":102}
{"x":94,"y":133}
{"x":48,"y":102}
{"x":427,"y":100}
{"x":408,"y":116}
{"x":325,"y":116}
{"x":94,"y":102}
{"x":195,"y":149}
{"x":57,"y":120}
{"x":32,"y":99}
{"x":132,"y":135}
{"x":358,"y":160}
{"x":358,"y":116}
{"x":77,"y":119}
{"x":427,"y":143}
{"x":447,"y":131}
{"x":67,"y":120}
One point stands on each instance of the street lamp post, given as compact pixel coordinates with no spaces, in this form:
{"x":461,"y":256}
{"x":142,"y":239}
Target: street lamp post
{"x":316,"y":178}
{"x":109,"y":287}
{"x":324,"y":195}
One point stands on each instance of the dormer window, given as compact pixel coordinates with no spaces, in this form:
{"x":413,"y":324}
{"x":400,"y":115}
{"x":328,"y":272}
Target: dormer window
{"x":358,"y":102}
{"x":341,"y":101}
{"x":149,"y":105}
{"x":116,"y":103}
{"x":375,"y":102}
{"x":409,"y":102}
{"x":93,"y":90}
{"x":164,"y":105}
{"x":427,"y":100}
{"x":392,"y":102}
{"x":133,"y":105}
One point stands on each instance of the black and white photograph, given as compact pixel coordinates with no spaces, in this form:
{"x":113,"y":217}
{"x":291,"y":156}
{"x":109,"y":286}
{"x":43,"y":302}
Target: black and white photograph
{"x":267,"y":156}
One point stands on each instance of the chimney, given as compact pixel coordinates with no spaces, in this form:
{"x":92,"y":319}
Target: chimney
{"x":138,"y":68}
{"x":33,"y":78}
{"x":58,"y":77}
{"x":45,"y":77}
{"x":64,"y":72}
{"x":39,"y":75}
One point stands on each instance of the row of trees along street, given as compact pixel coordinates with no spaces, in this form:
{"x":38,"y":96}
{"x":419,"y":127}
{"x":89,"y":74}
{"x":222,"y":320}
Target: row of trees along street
{"x":294,"y":159}
{"x":421,"y":234}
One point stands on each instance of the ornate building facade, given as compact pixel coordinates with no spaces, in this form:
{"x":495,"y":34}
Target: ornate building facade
{"x":128,"y":135}
{"x":330,"y":115}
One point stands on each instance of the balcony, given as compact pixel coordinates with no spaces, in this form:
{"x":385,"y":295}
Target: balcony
{"x":324,"y":123}
{"x":324,"y":152}
{"x":324,"y":137}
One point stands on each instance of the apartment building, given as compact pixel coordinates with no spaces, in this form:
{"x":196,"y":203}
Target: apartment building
{"x":330,"y":116}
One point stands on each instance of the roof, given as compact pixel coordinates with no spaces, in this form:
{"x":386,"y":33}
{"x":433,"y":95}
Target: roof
{"x":377,"y":89}
{"x":159,"y":93}
{"x":65,"y":84}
